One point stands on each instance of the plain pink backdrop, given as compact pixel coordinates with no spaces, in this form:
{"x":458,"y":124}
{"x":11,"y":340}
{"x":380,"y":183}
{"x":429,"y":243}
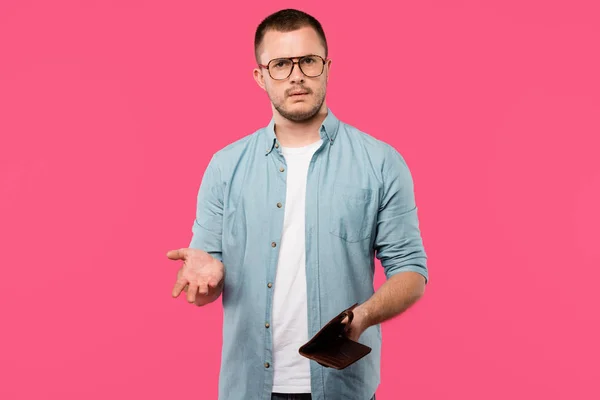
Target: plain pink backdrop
{"x":110,"y":111}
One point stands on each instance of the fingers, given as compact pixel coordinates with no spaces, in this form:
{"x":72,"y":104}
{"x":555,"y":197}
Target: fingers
{"x":203,"y":289}
{"x":179,"y":254}
{"x":197,"y":277}
{"x":180,"y":284}
{"x":191,"y":293}
{"x":347,"y":325}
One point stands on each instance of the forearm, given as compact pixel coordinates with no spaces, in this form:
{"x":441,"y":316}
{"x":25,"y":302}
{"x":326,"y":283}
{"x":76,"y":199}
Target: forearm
{"x":394,"y":297}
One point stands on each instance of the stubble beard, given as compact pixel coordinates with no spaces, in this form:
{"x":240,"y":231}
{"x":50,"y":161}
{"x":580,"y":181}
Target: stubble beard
{"x":300,"y":116}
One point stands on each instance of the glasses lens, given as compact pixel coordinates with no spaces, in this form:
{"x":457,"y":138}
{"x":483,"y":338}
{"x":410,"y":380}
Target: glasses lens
{"x":311,"y":65}
{"x":280,"y":68}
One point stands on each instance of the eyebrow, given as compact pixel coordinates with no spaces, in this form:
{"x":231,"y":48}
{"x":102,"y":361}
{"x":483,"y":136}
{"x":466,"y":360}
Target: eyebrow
{"x":305,"y":55}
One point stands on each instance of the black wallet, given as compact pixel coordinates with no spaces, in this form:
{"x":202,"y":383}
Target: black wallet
{"x":331,"y":347}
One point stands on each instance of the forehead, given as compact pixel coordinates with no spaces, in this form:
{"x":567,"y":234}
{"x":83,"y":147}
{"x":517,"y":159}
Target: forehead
{"x":296,"y":43}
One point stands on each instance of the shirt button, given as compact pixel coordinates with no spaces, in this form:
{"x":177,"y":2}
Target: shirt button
{"x":267,"y":365}
{"x":277,"y":145}
{"x":267,"y":325}
{"x":269,"y":285}
{"x":281,"y":169}
{"x":273,"y":244}
{"x":279,"y":205}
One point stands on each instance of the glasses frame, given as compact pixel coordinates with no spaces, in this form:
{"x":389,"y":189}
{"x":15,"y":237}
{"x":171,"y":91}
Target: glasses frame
{"x":291,"y":59}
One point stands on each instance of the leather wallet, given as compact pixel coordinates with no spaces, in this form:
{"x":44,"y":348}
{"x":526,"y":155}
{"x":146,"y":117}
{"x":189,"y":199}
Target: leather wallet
{"x":331,"y":348}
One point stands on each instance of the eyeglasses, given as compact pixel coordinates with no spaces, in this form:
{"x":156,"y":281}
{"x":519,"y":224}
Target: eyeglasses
{"x":281,"y":68}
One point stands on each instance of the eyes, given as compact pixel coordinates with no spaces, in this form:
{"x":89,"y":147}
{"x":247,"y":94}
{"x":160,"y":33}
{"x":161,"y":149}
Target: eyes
{"x":311,"y":65}
{"x":281,"y":64}
{"x":285,"y":63}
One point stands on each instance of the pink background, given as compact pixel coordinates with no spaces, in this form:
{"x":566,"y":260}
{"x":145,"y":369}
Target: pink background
{"x":110,"y":111}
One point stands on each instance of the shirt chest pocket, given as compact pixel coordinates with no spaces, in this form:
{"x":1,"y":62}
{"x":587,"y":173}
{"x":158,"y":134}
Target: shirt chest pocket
{"x":352,"y":213}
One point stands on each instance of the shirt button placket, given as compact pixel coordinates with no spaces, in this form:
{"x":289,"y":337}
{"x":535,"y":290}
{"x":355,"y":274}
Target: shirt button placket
{"x":273,"y":245}
{"x":270,"y":285}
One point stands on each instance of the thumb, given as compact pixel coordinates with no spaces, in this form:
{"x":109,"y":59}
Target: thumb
{"x":346,"y":325}
{"x":179,"y":254}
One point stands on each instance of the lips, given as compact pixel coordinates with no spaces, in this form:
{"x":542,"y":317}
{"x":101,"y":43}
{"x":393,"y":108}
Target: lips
{"x":298,"y":91}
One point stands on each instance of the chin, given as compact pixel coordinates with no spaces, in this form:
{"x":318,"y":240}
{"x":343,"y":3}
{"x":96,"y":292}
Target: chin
{"x":298,"y":110}
{"x":300,"y":114}
{"x":299,"y":105}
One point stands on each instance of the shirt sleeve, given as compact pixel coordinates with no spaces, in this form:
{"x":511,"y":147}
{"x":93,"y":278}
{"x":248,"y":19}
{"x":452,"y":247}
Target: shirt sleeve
{"x":207,"y":228}
{"x":398,"y":242}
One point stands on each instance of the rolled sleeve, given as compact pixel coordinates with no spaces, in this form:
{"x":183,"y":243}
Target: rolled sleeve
{"x":398,"y":242}
{"x":207,"y":228}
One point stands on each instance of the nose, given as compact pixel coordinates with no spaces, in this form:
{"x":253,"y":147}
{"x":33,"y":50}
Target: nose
{"x":297,"y":76}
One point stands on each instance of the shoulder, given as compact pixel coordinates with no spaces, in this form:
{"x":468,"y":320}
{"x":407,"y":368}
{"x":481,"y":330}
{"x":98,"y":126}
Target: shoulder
{"x":234,"y":151}
{"x":379,"y":152}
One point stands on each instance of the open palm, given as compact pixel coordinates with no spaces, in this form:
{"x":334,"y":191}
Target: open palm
{"x":201,"y":276}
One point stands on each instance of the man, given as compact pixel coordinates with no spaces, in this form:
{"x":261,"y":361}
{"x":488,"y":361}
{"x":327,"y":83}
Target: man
{"x":289,"y":220}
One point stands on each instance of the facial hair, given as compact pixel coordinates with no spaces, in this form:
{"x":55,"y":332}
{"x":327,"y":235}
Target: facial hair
{"x":300,"y":116}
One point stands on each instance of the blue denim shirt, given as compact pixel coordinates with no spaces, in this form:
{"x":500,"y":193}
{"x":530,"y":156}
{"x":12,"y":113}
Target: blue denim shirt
{"x":360,"y":204}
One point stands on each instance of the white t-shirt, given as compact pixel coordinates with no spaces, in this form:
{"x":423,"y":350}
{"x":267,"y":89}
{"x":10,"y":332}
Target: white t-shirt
{"x":290,"y":321}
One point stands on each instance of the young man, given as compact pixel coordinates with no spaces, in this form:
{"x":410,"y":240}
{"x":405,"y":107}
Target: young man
{"x":289,"y":220}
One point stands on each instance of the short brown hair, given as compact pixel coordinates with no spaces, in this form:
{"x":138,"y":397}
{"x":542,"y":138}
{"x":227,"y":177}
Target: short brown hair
{"x":286,"y":21}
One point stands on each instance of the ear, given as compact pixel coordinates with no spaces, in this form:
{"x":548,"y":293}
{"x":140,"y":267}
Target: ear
{"x":328,"y":65}
{"x":259,"y":78}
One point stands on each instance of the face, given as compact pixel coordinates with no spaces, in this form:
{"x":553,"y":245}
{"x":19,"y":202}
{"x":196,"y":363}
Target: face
{"x":297,"y":98}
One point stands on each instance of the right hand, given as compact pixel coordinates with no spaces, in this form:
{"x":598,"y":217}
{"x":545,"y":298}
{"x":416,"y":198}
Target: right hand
{"x":201,"y":276}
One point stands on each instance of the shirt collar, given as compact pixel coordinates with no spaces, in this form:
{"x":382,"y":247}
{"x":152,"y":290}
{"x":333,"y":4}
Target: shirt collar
{"x":328,"y":131}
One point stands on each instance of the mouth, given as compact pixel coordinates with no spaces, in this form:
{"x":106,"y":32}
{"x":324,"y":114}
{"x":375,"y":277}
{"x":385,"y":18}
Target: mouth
{"x":298,"y":92}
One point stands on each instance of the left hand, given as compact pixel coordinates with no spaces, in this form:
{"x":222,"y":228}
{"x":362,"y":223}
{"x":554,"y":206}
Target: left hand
{"x":358,"y":325}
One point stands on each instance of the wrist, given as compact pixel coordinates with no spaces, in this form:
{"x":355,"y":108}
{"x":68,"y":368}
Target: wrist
{"x":365,"y":315}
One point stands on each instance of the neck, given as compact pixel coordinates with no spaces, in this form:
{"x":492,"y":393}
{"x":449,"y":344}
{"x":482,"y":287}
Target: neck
{"x":298,"y":134}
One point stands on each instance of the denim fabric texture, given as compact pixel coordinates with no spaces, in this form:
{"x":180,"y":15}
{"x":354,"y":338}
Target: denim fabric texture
{"x":360,"y":206}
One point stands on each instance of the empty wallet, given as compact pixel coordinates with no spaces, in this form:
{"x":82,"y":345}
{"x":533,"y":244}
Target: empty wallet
{"x":331,"y":348}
